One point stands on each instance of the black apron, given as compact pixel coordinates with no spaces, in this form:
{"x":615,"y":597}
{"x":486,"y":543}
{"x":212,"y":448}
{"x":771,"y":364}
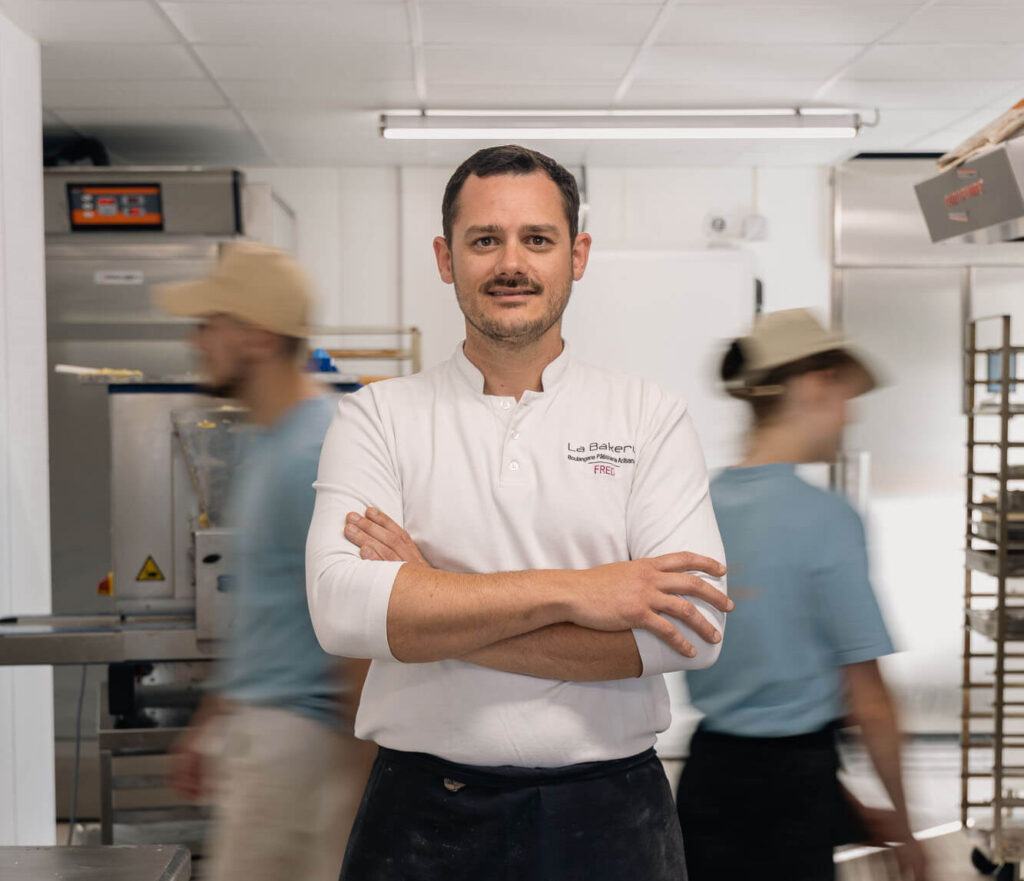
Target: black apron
{"x":770,"y":808}
{"x":426,"y":819}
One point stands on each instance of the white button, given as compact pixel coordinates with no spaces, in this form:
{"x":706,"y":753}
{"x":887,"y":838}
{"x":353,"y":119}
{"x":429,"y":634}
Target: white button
{"x":515,"y":435}
{"x":513,"y":466}
{"x":505,"y":405}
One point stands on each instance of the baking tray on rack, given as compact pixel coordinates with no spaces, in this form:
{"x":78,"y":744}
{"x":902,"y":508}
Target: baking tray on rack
{"x":988,"y":528}
{"x":987,"y":561}
{"x":983,"y":621}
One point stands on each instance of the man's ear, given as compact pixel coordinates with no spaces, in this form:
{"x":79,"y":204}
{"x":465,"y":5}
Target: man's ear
{"x":580,"y":255}
{"x":443,"y":254}
{"x":262,"y":344}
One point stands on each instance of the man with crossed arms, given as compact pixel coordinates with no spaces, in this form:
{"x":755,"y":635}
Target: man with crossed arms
{"x":516,"y":711}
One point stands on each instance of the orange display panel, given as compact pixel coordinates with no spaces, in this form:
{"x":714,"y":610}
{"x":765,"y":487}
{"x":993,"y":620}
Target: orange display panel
{"x":109,"y":206}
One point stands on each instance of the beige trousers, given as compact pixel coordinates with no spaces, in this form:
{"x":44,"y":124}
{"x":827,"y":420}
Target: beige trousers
{"x":286,"y":792}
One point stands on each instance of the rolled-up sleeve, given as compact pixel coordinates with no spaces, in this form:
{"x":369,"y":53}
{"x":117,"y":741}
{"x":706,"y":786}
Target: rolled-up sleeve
{"x":348,"y":597}
{"x":670,"y":511}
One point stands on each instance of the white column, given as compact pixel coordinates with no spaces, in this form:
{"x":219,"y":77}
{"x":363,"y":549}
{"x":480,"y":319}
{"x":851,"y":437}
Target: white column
{"x":26,"y":694}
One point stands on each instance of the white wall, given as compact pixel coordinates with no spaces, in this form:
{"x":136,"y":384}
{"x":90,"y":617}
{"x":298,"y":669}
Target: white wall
{"x":26,"y":694}
{"x":365,"y":234}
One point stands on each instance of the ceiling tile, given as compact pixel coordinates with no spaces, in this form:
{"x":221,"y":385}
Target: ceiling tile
{"x":552,"y":96}
{"x":290,"y":24}
{"x":359,"y":61}
{"x":898,"y":130}
{"x":730,"y":63}
{"x":170,"y":136}
{"x":963,"y":24}
{"x":800,"y":154}
{"x":128,"y":94}
{"x":945,"y":137}
{"x":935,"y":62}
{"x":522,"y":25}
{"x":593,"y":4}
{"x":783,"y":4}
{"x":627,"y":154}
{"x":917,"y":94}
{"x":329,"y":138}
{"x":751,"y":92}
{"x":90,"y":21}
{"x":114,"y":61}
{"x":779,"y":24}
{"x":307,"y":93}
{"x":519,"y":65}
{"x":976,"y":3}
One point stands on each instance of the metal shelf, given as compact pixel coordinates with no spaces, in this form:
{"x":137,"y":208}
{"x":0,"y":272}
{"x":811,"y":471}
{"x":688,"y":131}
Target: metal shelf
{"x":1002,"y":625}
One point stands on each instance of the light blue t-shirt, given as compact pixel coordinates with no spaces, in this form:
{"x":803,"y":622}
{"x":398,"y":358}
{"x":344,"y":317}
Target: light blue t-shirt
{"x":274,"y":658}
{"x":798,"y":573}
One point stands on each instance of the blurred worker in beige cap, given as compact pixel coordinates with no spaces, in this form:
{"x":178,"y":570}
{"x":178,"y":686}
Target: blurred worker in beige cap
{"x":801,"y":658}
{"x":287,"y":775}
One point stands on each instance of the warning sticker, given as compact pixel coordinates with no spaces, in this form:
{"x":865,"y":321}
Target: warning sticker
{"x":150,"y":571}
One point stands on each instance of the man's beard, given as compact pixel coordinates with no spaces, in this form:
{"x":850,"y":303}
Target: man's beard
{"x":226,"y":388}
{"x":514,"y":333}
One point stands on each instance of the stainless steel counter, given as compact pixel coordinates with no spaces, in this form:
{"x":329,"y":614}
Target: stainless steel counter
{"x":130,"y":863}
{"x":101,"y":639}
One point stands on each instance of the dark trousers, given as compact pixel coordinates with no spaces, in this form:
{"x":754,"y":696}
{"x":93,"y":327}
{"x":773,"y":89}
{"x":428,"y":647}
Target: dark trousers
{"x":425,"y":819}
{"x":770,"y":808}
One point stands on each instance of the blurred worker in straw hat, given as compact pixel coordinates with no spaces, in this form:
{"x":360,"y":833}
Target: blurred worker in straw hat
{"x":289,"y":775}
{"x":801,"y":658}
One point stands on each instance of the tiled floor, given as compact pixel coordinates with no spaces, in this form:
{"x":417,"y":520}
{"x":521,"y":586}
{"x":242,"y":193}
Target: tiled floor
{"x":932,"y":781}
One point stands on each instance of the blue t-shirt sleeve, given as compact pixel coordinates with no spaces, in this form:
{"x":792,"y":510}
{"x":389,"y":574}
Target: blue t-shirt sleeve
{"x":846,"y":607}
{"x":294,"y":490}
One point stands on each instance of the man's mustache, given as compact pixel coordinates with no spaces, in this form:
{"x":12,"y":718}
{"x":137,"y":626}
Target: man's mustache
{"x":511,"y":281}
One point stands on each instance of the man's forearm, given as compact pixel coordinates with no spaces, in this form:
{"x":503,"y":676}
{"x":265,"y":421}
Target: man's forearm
{"x":434,"y":615}
{"x":871,"y":709}
{"x":566,"y":652}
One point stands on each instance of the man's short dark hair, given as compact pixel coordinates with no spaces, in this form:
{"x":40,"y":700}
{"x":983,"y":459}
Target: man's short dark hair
{"x":510,"y":159}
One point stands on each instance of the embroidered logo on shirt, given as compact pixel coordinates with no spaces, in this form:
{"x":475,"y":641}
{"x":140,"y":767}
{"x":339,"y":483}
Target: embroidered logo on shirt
{"x":601,"y":458}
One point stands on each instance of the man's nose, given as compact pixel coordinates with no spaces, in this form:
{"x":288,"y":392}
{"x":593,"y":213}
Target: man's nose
{"x":511,"y":259}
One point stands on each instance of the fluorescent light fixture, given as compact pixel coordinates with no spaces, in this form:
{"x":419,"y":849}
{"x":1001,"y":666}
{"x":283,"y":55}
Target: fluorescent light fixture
{"x":630,"y":125}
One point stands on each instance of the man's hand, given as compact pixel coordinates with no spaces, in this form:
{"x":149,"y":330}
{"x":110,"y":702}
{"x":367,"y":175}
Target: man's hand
{"x":378,"y":537}
{"x":187,"y":771}
{"x":187,"y":777}
{"x":628,"y":596}
{"x":611,"y":598}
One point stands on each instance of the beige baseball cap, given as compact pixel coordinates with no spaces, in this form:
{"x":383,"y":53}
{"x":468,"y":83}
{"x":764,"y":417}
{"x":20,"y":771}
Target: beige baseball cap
{"x":781,"y":338}
{"x":255,"y":283}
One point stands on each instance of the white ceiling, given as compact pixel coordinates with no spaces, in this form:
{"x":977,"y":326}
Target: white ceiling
{"x":300,"y":82}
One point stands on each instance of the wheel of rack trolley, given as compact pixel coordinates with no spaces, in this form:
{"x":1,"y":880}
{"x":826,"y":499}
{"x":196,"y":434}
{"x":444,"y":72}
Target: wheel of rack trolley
{"x":982,"y":863}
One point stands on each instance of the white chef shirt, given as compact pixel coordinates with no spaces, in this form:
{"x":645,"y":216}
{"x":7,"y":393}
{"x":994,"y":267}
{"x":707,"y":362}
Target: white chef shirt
{"x":597,"y":468}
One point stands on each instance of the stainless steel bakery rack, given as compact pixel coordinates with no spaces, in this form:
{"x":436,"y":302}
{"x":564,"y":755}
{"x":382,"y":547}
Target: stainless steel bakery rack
{"x":992,"y":719}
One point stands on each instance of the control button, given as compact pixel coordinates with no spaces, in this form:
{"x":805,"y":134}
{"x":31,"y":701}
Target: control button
{"x":513,"y":466}
{"x":505,"y":405}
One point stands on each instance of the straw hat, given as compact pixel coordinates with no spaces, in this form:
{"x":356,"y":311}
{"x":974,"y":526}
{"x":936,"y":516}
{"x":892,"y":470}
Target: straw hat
{"x":778,"y":339}
{"x":255,"y":283}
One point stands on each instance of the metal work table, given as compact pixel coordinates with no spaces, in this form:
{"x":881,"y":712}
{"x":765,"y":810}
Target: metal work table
{"x":101,"y":639}
{"x":128,"y":863}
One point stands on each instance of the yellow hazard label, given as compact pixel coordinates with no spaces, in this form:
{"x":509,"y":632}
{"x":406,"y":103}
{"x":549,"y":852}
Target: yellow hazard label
{"x":150,"y":571}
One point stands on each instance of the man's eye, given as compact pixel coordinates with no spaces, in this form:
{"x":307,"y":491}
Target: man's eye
{"x":484,"y":241}
{"x":539,"y":241}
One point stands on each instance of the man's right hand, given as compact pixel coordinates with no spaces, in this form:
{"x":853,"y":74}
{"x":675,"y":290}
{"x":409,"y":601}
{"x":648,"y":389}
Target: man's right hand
{"x":630,"y":595}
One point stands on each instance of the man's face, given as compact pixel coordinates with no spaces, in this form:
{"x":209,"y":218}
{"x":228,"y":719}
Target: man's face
{"x":223,"y":342}
{"x":511,"y":258}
